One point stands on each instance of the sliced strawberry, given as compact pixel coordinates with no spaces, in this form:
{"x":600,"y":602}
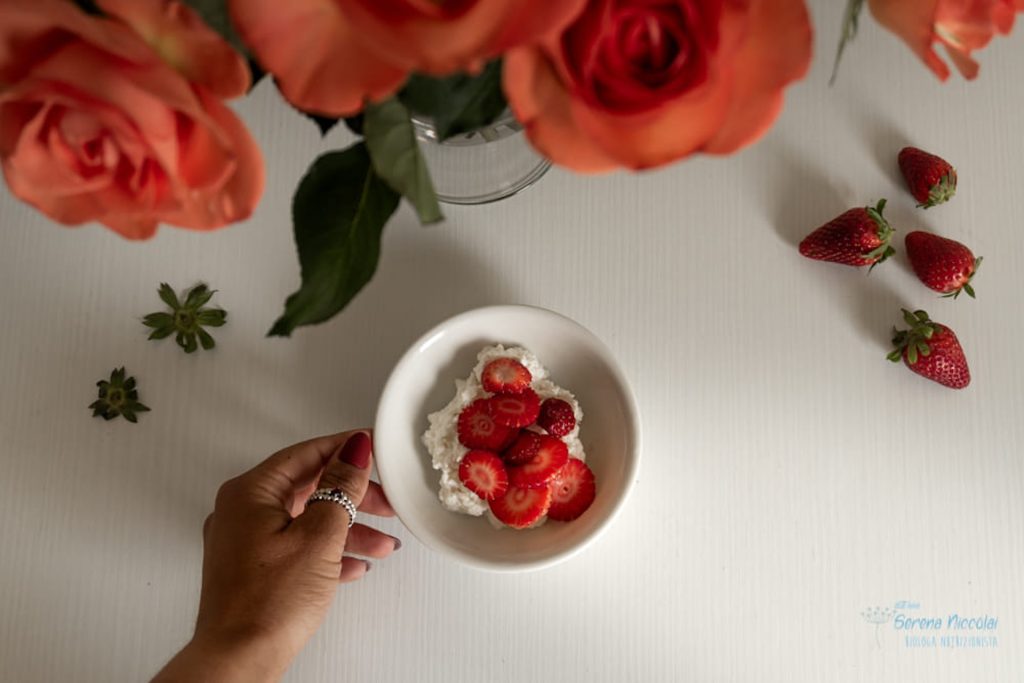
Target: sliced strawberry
{"x":506,"y":376}
{"x":515,"y":410}
{"x":572,"y":491}
{"x":519,"y":508}
{"x":523,"y":448}
{"x":556,"y":417}
{"x":513,"y":434}
{"x":484,"y":474}
{"x":477,"y":429}
{"x":551,"y":455}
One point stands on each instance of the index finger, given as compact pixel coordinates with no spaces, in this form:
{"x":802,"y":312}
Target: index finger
{"x":294,"y":467}
{"x":302,"y":459}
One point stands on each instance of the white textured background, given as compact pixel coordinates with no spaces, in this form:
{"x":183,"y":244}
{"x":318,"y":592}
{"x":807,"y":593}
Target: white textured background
{"x":791,"y":478}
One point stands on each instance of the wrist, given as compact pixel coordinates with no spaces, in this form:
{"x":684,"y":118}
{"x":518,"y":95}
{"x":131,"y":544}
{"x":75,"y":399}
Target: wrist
{"x":226,"y":659}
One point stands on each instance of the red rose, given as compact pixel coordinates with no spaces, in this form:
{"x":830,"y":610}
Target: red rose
{"x":640,"y":83}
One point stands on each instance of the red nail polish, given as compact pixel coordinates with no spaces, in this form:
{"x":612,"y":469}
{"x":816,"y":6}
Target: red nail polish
{"x":356,"y":451}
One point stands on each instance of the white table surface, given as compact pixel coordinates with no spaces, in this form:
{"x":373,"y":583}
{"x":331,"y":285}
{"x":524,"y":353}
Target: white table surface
{"x":791,"y":476}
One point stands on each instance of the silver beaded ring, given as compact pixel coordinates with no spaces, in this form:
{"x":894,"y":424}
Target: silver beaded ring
{"x":335,"y":496}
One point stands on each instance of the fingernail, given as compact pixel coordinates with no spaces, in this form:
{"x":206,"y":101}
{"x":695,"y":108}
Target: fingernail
{"x":398,"y":542}
{"x":356,"y":451}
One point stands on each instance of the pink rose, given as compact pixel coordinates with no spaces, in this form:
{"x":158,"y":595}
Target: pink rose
{"x":119,"y":118}
{"x":961,"y":25}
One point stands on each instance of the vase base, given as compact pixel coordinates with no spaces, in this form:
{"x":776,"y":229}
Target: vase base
{"x":485,"y":165}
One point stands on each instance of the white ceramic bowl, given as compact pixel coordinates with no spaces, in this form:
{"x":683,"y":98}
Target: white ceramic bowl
{"x":424,"y":381}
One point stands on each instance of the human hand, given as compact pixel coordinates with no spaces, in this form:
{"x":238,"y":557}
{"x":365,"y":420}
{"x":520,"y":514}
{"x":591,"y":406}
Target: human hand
{"x":271,"y":567}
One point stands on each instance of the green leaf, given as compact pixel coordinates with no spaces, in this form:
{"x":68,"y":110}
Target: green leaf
{"x":168,"y":296}
{"x":205,"y":339}
{"x":339,"y":211}
{"x":158,"y":320}
{"x":212,"y":317}
{"x":185,"y":341}
{"x":395,"y":152}
{"x":198,"y":296}
{"x":119,"y":396}
{"x":457,"y":104}
{"x":215,"y":14}
{"x":849,"y":32}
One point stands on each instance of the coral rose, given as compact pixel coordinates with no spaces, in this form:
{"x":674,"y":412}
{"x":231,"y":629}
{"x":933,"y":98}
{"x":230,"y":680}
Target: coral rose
{"x":640,"y":83}
{"x":118,"y":118}
{"x":961,"y":25}
{"x":330,"y":56}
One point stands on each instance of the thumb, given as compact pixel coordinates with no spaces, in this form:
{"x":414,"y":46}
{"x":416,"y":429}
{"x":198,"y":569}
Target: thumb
{"x":326,"y":523}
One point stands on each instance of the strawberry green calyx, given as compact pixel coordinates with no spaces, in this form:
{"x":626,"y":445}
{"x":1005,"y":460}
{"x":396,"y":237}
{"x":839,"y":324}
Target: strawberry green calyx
{"x":186,"y":320}
{"x":915,"y":340}
{"x":884,"y":250}
{"x":966,"y":286}
{"x":117,"y":397}
{"x":941,"y":191}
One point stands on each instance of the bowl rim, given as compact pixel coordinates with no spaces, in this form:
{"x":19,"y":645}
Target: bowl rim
{"x":422,"y":532}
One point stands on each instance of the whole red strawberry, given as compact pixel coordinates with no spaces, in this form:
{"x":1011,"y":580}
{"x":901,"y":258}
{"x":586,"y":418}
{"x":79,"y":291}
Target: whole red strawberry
{"x":859,"y":237}
{"x":931,"y":350}
{"x":942,"y":264}
{"x":932,"y":180}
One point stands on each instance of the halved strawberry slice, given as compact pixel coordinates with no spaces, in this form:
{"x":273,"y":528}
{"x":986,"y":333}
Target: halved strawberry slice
{"x":519,"y":508}
{"x":515,"y":410}
{"x":477,"y":429}
{"x":556,"y":417}
{"x":484,"y":474}
{"x":505,"y":376}
{"x":551,"y":455}
{"x":572,"y":491}
{"x":523,"y":448}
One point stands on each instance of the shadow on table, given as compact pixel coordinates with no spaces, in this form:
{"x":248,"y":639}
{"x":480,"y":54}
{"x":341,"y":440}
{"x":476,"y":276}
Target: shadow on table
{"x":884,"y":138}
{"x":329,"y":377}
{"x":800,"y":196}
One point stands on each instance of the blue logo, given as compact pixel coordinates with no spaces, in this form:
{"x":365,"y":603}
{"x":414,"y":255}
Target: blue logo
{"x":919,"y":629}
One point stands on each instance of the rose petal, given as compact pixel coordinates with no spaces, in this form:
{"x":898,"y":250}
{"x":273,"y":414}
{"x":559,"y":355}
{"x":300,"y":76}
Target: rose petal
{"x":32,"y":29}
{"x":436,"y":43}
{"x":775,"y":51}
{"x":963,"y":26}
{"x":204,"y":208}
{"x":77,"y":65}
{"x":185,"y":41}
{"x":542,"y":104}
{"x":320,"y":63}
